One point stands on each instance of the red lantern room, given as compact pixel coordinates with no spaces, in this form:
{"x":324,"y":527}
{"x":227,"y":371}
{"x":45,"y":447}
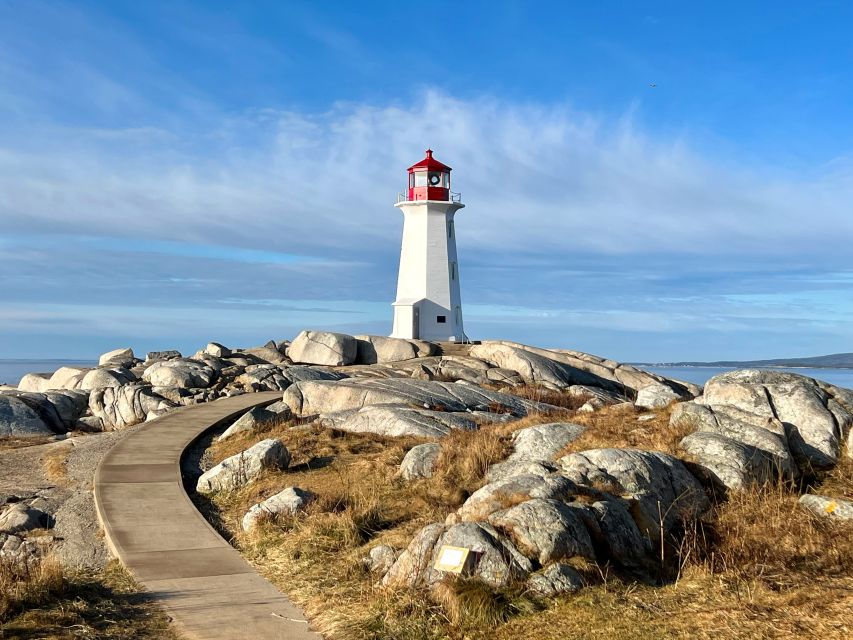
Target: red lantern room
{"x":429,"y":179}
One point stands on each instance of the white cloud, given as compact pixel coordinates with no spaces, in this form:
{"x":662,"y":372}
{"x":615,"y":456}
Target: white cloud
{"x":534,"y":178}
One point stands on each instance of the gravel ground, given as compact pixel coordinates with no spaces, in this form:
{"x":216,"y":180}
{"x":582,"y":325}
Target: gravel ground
{"x":70,"y":502}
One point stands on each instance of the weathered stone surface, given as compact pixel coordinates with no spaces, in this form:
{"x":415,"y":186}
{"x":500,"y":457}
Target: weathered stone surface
{"x":618,"y":534}
{"x":217,"y":350}
{"x":170,"y":354}
{"x":244,"y":467}
{"x":128,"y":405}
{"x":416,"y":560}
{"x":288,"y":501}
{"x":504,"y":376}
{"x":19,"y":517}
{"x":545,"y":530}
{"x":267,"y":355}
{"x":324,"y":348}
{"x":103,"y":378}
{"x":755,"y":430}
{"x":323,"y":397}
{"x":280,"y":409}
{"x":18,"y":419}
{"x":535,"y":447}
{"x":249,"y":421}
{"x":502,"y":494}
{"x":655,"y":396}
{"x":660,"y":484}
{"x":800,"y":403}
{"x":828,"y":507}
{"x":181,"y":372}
{"x":419,"y":461}
{"x":535,"y":368}
{"x":301,"y":373}
{"x":17,"y":549}
{"x":117,"y":357}
{"x":263,"y":377}
{"x":397,"y":421}
{"x":373,"y":349}
{"x":730,"y":463}
{"x":67,"y":378}
{"x":71,"y":405}
{"x":557,"y":579}
{"x":498,"y":562}
{"x":380,"y":559}
{"x":34,"y":382}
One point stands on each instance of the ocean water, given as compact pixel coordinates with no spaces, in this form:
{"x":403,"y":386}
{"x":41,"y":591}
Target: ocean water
{"x":700,"y":375}
{"x":11,"y":371}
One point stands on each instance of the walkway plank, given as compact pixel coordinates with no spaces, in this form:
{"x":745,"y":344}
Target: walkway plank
{"x":153,"y":528}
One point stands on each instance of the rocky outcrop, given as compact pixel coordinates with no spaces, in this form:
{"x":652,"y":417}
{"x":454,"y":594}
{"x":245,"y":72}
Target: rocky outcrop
{"x":67,"y":378}
{"x":324,"y":397}
{"x":103,"y":378}
{"x":557,"y":579}
{"x":398,"y":420}
{"x":289,"y":501}
{"x":34,"y":382}
{"x":244,"y":467}
{"x":656,"y":396}
{"x":217,"y":350}
{"x":662,"y":491}
{"x":534,"y":449}
{"x":754,"y":426}
{"x":324,"y":348}
{"x":21,"y":420}
{"x":419,"y":461}
{"x":379,"y":349}
{"x":120,"y":407}
{"x":498,"y":562}
{"x":181,"y":372}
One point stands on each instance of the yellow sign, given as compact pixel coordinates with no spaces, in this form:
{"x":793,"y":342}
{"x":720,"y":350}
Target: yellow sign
{"x":452,"y":559}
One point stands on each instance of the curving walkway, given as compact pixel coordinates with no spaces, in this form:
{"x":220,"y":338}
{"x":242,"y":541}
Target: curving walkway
{"x":154,"y":529}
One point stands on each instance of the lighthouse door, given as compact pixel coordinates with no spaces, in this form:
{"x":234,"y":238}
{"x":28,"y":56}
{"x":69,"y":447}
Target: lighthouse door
{"x":416,"y":322}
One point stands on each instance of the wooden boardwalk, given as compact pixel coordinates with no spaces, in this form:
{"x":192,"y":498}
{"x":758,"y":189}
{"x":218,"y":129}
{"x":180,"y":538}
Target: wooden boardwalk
{"x":154,"y":529}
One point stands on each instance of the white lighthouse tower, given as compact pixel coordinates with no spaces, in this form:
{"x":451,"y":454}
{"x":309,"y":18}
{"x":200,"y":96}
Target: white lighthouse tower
{"x":429,"y":305}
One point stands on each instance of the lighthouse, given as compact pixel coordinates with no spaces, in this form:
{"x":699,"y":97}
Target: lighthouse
{"x":429,"y":303}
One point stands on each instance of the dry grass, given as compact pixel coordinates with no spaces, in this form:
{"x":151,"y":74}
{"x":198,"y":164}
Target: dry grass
{"x":620,"y":427}
{"x":560,"y":399}
{"x":54,"y":463}
{"x":9,"y":443}
{"x":43,"y":603}
{"x":759,"y":566}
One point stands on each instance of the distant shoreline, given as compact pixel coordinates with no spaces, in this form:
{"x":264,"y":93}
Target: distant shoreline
{"x":736,"y":365}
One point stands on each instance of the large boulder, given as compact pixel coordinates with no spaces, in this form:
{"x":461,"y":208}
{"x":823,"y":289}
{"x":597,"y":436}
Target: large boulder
{"x":262,"y":377}
{"x":19,"y":517}
{"x":67,"y":378}
{"x":244,"y":467}
{"x":730,"y":463}
{"x":117,"y":357}
{"x":323,"y":347}
{"x":419,"y":461}
{"x":815,"y":416}
{"x":21,"y":420}
{"x":249,"y":421}
{"x":656,"y":396}
{"x":379,"y":349}
{"x":545,"y":530}
{"x":217,"y":350}
{"x":397,"y":421}
{"x":120,"y":407}
{"x":664,"y":491}
{"x":323,"y":397}
{"x":34,"y":382}
{"x":288,"y":501}
{"x":181,"y":372}
{"x":103,"y":378}
{"x":494,"y":559}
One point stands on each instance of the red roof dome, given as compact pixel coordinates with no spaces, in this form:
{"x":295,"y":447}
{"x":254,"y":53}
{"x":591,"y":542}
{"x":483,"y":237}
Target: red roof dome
{"x":429,"y":164}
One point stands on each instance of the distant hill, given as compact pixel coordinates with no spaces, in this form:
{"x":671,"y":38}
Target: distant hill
{"x":833,"y":361}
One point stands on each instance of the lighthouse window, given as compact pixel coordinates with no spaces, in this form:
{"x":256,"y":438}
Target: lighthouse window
{"x":421,"y":179}
{"x":441,"y":319}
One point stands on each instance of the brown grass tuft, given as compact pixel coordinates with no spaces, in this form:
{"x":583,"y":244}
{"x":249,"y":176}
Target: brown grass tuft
{"x":54,"y":464}
{"x":28,"y":583}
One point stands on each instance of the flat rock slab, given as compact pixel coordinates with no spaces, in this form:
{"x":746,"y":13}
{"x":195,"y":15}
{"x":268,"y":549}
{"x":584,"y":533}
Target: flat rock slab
{"x":151,"y":525}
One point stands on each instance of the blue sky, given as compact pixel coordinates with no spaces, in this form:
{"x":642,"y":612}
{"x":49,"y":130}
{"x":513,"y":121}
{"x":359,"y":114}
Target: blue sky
{"x":177,"y":172}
